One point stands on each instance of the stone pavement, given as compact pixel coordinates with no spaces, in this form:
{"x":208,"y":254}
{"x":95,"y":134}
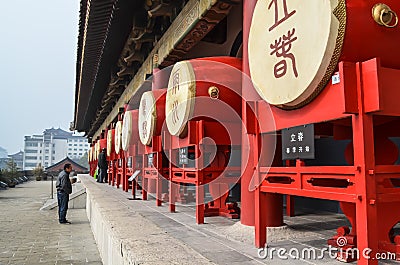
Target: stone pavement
{"x":29,"y":236}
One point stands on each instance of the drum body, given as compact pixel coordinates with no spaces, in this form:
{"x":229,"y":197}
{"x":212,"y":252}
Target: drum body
{"x":110,"y":143}
{"x":130,"y":133}
{"x":99,"y":145}
{"x":91,"y":153}
{"x":203,"y":89}
{"x":96,"y":150}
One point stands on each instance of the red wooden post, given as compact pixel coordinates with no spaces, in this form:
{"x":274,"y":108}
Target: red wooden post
{"x":260,"y":218}
{"x":289,"y":206}
{"x":289,"y":200}
{"x":248,"y":93}
{"x":172,"y":188}
{"x":364,"y":160}
{"x":159,"y":179}
{"x":199,"y":155}
{"x":172,"y":196}
{"x":125,"y":176}
{"x":200,"y":200}
{"x":144,"y":188}
{"x":118,"y":182}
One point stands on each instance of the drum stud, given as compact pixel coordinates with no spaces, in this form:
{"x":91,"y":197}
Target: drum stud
{"x":213,"y":91}
{"x":384,"y":16}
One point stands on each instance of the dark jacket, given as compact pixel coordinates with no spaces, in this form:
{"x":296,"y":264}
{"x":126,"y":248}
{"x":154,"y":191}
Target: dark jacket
{"x":63,"y":183}
{"x":102,"y":162}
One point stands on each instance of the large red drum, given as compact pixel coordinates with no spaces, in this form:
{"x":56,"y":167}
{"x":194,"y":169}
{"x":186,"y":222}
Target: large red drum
{"x":99,"y":145}
{"x":151,"y":115}
{"x":94,"y":158}
{"x":130,"y":133}
{"x":110,"y":142}
{"x":295,"y":46}
{"x":203,"y":89}
{"x":118,"y":137}
{"x":90,"y":154}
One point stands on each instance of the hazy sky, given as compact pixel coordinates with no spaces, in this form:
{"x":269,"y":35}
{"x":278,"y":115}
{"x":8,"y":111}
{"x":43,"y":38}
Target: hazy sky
{"x":38,"y":42}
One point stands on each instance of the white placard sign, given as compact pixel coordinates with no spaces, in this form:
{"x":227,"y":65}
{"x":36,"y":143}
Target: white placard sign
{"x":134,"y":175}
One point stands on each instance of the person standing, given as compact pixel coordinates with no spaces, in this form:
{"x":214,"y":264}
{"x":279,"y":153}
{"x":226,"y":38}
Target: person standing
{"x":103,"y":166}
{"x":64,"y":189}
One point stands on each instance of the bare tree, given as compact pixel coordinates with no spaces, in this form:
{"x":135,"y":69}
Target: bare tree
{"x":11,"y":169}
{"x":38,"y":171}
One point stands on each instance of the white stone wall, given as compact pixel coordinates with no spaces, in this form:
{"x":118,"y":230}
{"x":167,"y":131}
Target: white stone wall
{"x":60,"y":149}
{"x":108,"y":244}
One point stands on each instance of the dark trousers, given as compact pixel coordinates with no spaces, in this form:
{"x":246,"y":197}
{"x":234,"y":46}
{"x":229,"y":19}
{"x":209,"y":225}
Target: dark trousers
{"x":105,"y":175}
{"x":102,"y":175}
{"x":99,"y":176}
{"x":63,"y":199}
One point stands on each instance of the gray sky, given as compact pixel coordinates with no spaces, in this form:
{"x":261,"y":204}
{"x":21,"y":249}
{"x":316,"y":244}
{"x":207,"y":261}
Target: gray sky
{"x":38,"y":41}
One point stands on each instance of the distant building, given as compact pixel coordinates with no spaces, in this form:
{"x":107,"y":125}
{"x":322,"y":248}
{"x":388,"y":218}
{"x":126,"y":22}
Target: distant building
{"x":18,"y":159}
{"x":56,"y":168}
{"x":51,"y":147}
{"x":3,"y":163}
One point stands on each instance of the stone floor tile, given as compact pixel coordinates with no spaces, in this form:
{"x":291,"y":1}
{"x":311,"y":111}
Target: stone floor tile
{"x":35,"y":237}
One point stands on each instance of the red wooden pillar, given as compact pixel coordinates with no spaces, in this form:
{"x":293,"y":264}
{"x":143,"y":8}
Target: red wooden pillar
{"x":200,"y":200}
{"x":159,"y":179}
{"x":289,"y":200}
{"x":289,"y":206}
{"x":260,"y":218}
{"x":364,"y":160}
{"x":172,"y":196}
{"x":118,"y":176}
{"x":158,"y":190}
{"x":114,"y":173}
{"x":123,"y":170}
{"x":160,"y":172}
{"x":124,"y":176}
{"x":248,"y":94}
{"x":145,"y":186}
{"x":199,"y":156}
{"x":173,"y":190}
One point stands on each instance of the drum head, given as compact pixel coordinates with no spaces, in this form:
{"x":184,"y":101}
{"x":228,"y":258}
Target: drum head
{"x":109,"y":142}
{"x":127,"y":130}
{"x":117,"y":137}
{"x":89,"y":155}
{"x":147,"y":117}
{"x":180,"y":97}
{"x":92,"y":153}
{"x":97,"y":150}
{"x":294,"y":48}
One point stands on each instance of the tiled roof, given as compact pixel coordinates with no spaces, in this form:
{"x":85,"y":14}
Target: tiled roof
{"x":60,"y":166}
